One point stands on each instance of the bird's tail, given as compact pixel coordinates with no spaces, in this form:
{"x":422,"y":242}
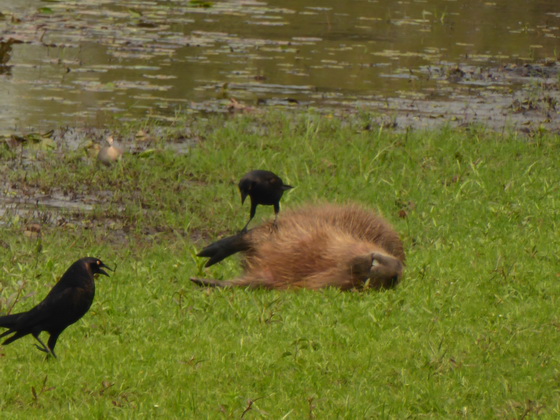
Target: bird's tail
{"x":211,"y":282}
{"x":9,"y":322}
{"x":225,"y":247}
{"x":246,"y":282}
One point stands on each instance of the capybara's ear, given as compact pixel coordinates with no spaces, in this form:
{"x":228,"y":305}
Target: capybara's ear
{"x":360,"y":268}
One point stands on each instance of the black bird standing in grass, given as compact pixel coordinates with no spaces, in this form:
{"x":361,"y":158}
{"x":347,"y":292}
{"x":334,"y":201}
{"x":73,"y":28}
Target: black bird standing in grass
{"x":264,"y":187}
{"x":65,"y":304}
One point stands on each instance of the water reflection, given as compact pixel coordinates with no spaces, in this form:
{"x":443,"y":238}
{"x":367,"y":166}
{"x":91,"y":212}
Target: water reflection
{"x":91,"y":61}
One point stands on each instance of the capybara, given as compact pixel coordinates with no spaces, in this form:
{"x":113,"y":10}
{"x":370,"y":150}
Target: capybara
{"x":315,"y":246}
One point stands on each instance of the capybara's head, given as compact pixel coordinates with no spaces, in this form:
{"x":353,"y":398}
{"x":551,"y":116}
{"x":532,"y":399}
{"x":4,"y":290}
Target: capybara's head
{"x":376,"y":270}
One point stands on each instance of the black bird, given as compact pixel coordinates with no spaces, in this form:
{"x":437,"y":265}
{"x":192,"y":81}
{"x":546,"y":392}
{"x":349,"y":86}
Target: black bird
{"x":65,"y":304}
{"x":225,"y":247}
{"x":264,"y":187}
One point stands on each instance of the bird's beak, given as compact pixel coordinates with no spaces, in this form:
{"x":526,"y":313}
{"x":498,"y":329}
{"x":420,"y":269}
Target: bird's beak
{"x":286,"y":187}
{"x":243,"y":197}
{"x":103,"y":271}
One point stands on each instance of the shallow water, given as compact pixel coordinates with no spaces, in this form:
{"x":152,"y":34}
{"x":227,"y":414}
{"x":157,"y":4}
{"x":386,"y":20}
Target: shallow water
{"x":416,"y":63}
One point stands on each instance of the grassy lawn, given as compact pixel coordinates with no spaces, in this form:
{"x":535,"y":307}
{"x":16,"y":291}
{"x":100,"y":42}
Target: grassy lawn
{"x":473,"y":330}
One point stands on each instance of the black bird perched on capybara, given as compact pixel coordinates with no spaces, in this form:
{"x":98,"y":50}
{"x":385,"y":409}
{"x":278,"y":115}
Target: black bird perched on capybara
{"x":65,"y":304}
{"x":342,"y":246}
{"x":263,"y":187}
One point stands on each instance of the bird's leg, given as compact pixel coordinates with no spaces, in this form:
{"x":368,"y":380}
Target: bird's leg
{"x":253,"y":209}
{"x":276,"y":211}
{"x":52,"y":342}
{"x":49,"y":353}
{"x":251,"y":215}
{"x":244,"y":230}
{"x":44,"y":349}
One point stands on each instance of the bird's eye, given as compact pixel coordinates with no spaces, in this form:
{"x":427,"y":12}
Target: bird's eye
{"x":98,"y":262}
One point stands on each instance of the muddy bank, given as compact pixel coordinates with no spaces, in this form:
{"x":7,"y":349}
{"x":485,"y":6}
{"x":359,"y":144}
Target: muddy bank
{"x":94,"y":64}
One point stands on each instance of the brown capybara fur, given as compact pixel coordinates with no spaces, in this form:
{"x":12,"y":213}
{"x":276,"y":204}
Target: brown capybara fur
{"x":343,"y":246}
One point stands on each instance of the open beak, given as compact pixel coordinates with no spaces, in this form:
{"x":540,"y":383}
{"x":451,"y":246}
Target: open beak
{"x":101,"y":271}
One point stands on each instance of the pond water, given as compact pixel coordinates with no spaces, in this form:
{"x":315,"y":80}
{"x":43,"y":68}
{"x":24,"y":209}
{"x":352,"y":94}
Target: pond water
{"x":416,"y":62}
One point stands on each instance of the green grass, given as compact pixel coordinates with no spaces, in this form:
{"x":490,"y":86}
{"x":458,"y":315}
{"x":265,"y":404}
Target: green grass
{"x":473,"y":331}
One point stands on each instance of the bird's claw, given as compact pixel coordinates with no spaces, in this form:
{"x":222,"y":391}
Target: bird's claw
{"x":44,"y":350}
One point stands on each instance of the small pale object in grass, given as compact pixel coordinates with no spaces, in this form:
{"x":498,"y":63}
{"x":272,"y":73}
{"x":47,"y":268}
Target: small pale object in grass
{"x":110,"y":153}
{"x":32,"y":230}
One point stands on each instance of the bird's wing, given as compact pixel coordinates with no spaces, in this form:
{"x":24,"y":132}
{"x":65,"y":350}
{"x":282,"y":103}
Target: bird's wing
{"x":57,"y":303}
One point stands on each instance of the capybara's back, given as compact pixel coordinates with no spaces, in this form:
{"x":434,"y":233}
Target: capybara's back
{"x":343,"y":246}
